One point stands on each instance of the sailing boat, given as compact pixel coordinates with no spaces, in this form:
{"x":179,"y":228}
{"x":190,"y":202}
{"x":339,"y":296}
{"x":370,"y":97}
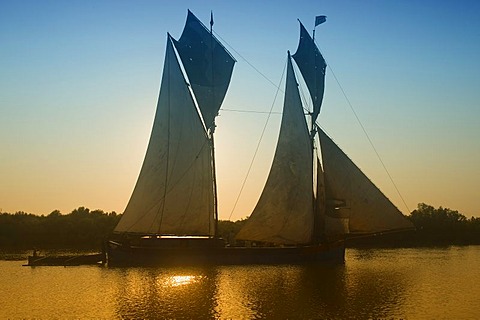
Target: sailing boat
{"x":171,"y":217}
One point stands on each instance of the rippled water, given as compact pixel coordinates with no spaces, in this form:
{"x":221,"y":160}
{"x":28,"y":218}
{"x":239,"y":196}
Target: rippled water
{"x":440,"y":283}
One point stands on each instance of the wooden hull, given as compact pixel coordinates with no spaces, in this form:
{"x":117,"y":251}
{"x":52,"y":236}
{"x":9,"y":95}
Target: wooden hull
{"x":209,"y":251}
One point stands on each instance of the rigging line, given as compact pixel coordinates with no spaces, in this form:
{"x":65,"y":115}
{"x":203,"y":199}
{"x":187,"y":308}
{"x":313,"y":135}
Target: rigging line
{"x":368,"y":138}
{"x":258,"y":144}
{"x":250,"y":111}
{"x":251,"y":65}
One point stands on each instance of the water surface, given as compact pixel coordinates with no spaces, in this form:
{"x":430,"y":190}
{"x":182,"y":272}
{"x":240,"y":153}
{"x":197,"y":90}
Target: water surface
{"x":421,"y":283}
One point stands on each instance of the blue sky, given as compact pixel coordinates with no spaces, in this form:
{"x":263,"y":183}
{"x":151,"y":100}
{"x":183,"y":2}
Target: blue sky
{"x":79,"y":82}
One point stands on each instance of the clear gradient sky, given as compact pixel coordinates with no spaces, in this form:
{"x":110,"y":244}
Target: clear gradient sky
{"x":79,"y":82}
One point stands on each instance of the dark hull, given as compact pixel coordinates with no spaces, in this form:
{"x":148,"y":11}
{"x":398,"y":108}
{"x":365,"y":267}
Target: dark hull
{"x":71,"y":260}
{"x":208,"y":251}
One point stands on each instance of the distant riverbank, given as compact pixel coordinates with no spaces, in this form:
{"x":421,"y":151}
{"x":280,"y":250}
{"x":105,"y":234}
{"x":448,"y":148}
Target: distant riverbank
{"x":83,"y":229}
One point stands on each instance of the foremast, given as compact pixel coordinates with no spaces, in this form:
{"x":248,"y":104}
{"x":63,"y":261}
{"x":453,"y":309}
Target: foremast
{"x":209,"y":68}
{"x":212,"y":139}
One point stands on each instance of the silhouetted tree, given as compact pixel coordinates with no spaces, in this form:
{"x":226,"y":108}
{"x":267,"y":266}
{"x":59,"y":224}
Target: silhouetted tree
{"x":80,"y":228}
{"x":87,"y":229}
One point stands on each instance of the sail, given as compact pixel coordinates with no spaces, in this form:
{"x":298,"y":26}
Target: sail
{"x":319,"y":206}
{"x":312,"y":66}
{"x":349,"y":193}
{"x":174,"y":191}
{"x":208,"y":65}
{"x":284,"y":212}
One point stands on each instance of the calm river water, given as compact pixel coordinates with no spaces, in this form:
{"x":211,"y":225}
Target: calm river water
{"x":421,"y":283}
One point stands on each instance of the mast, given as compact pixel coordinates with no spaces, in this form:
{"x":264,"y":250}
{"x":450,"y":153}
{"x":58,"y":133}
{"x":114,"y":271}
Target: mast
{"x":312,"y":67}
{"x":212,"y":140}
{"x":214,"y":176}
{"x":209,"y":68}
{"x":319,"y":201}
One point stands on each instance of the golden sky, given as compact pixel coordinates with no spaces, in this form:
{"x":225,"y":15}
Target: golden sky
{"x":79,"y":85}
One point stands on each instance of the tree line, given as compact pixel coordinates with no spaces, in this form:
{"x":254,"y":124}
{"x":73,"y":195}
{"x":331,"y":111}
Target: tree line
{"x":433,"y":227}
{"x":83,"y":228}
{"x":80,"y":228}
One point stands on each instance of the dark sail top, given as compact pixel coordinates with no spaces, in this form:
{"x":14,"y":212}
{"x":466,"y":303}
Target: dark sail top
{"x":312,"y":66}
{"x":208,"y":65}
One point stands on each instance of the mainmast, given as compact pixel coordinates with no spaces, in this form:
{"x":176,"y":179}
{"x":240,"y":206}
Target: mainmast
{"x":312,"y":66}
{"x":319,"y":201}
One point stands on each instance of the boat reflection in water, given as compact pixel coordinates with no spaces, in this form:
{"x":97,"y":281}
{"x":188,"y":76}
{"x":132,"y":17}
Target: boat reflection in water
{"x":247,"y":292}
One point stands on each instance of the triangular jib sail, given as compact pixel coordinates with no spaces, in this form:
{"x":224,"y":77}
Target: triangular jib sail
{"x":350,"y":194}
{"x":175,"y":190}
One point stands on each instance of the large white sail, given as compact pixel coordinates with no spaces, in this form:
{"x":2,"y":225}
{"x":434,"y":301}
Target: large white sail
{"x":284,"y":212}
{"x":174,"y":191}
{"x":349,"y":193}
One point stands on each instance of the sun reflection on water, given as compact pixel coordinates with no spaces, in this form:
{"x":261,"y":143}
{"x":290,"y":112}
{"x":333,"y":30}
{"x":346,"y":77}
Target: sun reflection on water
{"x":176,"y":281}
